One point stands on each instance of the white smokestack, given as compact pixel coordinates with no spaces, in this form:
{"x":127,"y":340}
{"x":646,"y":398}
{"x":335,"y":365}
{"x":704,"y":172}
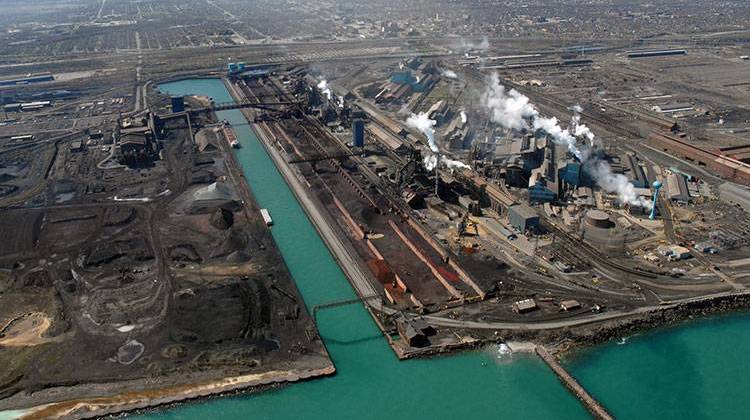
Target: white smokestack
{"x":512,"y":110}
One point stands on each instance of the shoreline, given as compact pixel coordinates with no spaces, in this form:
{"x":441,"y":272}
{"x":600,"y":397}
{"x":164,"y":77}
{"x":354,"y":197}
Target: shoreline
{"x":142,"y":400}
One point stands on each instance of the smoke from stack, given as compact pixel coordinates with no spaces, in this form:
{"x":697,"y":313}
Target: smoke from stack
{"x":425,"y":125}
{"x":463,"y":117}
{"x":469,"y":45}
{"x":512,"y":110}
{"x":323,"y":86}
{"x":453,"y":164}
{"x":450,"y":74}
{"x":578,"y":129}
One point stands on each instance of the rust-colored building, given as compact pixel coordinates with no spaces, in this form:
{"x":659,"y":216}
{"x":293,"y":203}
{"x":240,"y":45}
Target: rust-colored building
{"x":723,"y":166}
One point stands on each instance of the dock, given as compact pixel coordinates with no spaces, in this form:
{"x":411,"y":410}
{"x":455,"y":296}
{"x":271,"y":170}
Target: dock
{"x":591,"y":404}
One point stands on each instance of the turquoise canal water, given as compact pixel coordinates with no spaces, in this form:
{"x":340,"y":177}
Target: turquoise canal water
{"x":370,"y":382}
{"x":694,"y":371}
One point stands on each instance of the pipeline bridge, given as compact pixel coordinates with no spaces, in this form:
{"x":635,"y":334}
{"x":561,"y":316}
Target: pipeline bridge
{"x":342,"y":302}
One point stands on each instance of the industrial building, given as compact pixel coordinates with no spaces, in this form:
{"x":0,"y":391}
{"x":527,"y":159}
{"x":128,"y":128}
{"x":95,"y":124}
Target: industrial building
{"x":635,"y":172}
{"x":178,"y":103}
{"x":723,"y":166}
{"x":43,"y":77}
{"x":523,"y":218}
{"x":524,"y":306}
{"x":358,"y":133}
{"x":677,"y":189}
{"x":655,"y":53}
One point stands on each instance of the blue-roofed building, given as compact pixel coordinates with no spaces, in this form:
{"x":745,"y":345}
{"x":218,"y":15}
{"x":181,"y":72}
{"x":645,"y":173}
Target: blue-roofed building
{"x":358,"y":133}
{"x":540,"y":193}
{"x":178,"y":103}
{"x":571,"y":174}
{"x":403,"y":77}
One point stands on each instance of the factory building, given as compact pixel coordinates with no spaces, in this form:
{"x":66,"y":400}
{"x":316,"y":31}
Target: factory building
{"x":541,"y":193}
{"x":677,"y":189}
{"x":524,"y":306}
{"x":414,"y":331}
{"x":635,"y":172}
{"x":178,"y":103}
{"x":44,"y":77}
{"x":655,"y":53}
{"x":358,"y":133}
{"x":234,"y":68}
{"x":570,"y":174}
{"x":523,"y":218}
{"x":723,"y":166}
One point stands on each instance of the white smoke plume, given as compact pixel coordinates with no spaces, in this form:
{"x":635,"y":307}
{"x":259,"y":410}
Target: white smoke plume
{"x":509,"y":109}
{"x":453,"y":164}
{"x":578,"y":129}
{"x":323,"y":86}
{"x":425,"y":125}
{"x":601,"y":172}
{"x":430,"y":161}
{"x":450,"y":74}
{"x":483,"y":45}
{"x":512,"y":110}
{"x":463,"y":116}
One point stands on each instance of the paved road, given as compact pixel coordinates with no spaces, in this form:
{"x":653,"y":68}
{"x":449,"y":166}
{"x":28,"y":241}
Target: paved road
{"x":545,"y":325}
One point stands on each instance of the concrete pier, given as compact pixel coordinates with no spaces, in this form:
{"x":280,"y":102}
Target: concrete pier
{"x":570,"y":382}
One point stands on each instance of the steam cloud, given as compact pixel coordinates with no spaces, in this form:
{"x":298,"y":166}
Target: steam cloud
{"x":469,"y":45}
{"x":425,"y":125}
{"x":463,"y":117}
{"x":449,"y":74}
{"x":323,"y":86}
{"x":512,"y":110}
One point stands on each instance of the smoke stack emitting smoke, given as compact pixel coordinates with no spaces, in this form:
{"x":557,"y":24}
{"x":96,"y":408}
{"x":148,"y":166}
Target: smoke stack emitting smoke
{"x":512,"y":110}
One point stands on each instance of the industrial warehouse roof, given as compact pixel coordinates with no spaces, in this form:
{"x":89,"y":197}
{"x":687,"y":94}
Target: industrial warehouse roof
{"x":391,"y":141}
{"x":523,"y":210}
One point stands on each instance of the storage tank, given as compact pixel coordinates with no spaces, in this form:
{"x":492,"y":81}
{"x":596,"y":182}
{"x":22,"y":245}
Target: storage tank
{"x":599,"y":219}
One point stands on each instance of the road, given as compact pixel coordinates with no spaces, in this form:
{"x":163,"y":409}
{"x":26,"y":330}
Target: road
{"x":573,"y":322}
